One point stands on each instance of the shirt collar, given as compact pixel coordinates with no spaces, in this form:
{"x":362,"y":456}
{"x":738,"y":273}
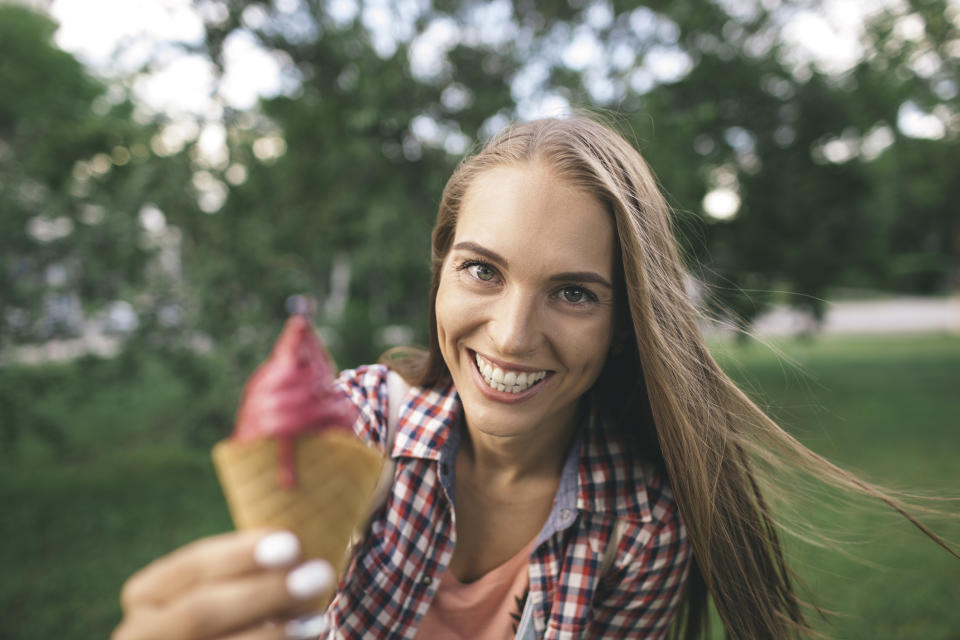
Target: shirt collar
{"x":599,"y":475}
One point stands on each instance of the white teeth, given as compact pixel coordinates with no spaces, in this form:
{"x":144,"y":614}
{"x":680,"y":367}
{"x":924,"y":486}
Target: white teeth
{"x":511,"y":381}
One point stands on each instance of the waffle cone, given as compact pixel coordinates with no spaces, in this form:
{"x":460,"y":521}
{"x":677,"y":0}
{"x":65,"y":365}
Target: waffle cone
{"x":336,"y":476}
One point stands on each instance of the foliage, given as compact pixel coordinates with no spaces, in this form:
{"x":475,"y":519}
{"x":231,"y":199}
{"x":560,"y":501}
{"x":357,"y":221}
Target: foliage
{"x":344,"y":214}
{"x":359,"y":181}
{"x":76,"y":172}
{"x":146,"y":395}
{"x":329,"y":188}
{"x":820,"y":203}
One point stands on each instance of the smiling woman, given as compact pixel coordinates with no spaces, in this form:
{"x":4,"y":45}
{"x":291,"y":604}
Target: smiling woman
{"x":570,"y":461}
{"x":554,"y":257}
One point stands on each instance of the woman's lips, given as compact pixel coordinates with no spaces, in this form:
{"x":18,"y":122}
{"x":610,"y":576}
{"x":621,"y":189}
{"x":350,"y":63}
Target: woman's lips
{"x":511,"y":384}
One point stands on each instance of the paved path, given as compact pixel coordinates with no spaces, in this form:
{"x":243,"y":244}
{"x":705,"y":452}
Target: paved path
{"x":896,"y":315}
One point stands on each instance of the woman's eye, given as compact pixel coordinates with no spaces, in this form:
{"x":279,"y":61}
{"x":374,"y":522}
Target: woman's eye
{"x":481,"y":272}
{"x":573,"y":294}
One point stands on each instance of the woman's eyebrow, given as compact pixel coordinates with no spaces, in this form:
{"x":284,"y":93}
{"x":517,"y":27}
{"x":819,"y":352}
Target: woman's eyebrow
{"x":482,"y":250}
{"x":582,"y":276}
{"x":568,"y":276}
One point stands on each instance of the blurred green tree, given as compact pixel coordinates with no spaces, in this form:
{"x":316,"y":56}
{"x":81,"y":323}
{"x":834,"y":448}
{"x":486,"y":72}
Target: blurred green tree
{"x":739,"y":115}
{"x":911,"y":77}
{"x":823,"y":188}
{"x":77,"y":179}
{"x":340,"y":182}
{"x":330,"y":188}
{"x":81,"y":223}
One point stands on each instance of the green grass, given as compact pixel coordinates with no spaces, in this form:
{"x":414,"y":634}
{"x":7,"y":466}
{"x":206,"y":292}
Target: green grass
{"x":889,"y":410}
{"x":75,"y":526}
{"x":73,"y":533}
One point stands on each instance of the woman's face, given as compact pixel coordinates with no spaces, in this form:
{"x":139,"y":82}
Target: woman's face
{"x":525,"y":306}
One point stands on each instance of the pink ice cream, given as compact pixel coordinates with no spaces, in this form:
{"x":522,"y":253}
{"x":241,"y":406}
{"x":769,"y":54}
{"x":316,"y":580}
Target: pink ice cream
{"x":291,"y":394}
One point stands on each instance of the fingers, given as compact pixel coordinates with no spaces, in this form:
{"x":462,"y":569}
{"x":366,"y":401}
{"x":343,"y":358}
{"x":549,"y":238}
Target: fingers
{"x":220,"y":608}
{"x":237,"y":606}
{"x":208,"y":560}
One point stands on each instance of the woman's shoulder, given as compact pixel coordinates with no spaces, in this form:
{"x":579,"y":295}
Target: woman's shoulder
{"x":372,"y":388}
{"x":365,"y":387}
{"x":366,"y":376}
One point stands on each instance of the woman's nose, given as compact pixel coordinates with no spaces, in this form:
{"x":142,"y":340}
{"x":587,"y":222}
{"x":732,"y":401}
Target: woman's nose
{"x":514,"y":325}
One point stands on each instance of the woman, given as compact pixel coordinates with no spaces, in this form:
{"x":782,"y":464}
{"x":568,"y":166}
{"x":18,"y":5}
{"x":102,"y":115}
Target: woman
{"x":566,"y":412}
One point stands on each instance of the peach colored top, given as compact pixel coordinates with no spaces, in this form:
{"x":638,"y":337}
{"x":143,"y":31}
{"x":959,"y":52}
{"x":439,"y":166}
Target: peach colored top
{"x":488,"y":608}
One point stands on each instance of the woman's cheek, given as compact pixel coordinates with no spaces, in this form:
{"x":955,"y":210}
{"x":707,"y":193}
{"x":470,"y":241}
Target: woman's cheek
{"x":454,"y":296}
{"x":448,"y":308}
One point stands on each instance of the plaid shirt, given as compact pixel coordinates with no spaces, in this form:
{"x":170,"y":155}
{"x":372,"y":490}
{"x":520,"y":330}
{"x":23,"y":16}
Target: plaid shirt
{"x":392,"y":579}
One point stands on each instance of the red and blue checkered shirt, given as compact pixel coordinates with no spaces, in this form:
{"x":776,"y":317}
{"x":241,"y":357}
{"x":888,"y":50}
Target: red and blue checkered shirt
{"x":392,"y":579}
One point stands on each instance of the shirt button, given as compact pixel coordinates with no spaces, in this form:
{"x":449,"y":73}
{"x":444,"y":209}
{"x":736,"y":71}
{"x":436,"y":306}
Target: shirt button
{"x":427,"y":581}
{"x":565,"y":514}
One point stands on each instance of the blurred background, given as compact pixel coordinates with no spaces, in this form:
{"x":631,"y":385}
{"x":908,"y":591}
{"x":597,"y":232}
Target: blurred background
{"x":171,"y":172}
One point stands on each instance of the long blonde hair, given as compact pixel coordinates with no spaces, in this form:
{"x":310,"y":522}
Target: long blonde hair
{"x":662,"y":386}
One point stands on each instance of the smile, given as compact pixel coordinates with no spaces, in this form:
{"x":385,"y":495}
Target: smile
{"x":507,"y":381}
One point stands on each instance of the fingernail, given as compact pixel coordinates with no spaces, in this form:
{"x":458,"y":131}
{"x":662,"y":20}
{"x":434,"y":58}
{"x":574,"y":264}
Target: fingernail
{"x":279,"y":549}
{"x":310,"y":579}
{"x":309,"y":627}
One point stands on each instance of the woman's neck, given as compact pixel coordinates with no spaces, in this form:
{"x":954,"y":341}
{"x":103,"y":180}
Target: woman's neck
{"x":505,"y":460}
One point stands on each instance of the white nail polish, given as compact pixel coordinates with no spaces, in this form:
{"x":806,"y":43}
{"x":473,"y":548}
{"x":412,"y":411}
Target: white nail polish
{"x":279,"y":549}
{"x":308,"y":627}
{"x":310,"y":579}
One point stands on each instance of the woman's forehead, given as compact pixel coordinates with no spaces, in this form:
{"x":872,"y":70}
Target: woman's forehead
{"x":526,"y":213}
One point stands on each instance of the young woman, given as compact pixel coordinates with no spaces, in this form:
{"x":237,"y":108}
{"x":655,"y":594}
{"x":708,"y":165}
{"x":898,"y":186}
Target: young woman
{"x":570,"y":460}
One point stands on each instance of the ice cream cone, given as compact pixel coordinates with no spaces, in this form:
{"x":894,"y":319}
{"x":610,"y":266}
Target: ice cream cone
{"x":293,"y":461}
{"x":336,"y":476}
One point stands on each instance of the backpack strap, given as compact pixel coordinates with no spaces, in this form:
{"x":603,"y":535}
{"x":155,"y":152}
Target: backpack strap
{"x":397,"y":389}
{"x":610,"y":552}
{"x":525,"y":628}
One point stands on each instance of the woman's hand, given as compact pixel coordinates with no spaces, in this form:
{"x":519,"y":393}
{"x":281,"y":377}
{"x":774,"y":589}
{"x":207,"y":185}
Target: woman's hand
{"x":241,"y":585}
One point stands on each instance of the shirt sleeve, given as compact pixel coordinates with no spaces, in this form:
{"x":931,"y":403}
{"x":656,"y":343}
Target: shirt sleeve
{"x":366,"y":388}
{"x":640,"y":595}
